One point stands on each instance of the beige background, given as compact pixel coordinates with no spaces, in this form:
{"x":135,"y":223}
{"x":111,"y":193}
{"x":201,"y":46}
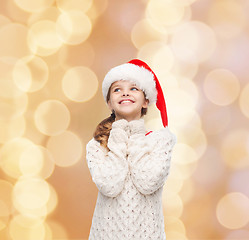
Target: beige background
{"x":53,"y":57}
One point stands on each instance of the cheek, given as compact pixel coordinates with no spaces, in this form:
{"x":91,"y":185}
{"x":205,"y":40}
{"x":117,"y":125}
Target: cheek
{"x":110,"y":105}
{"x":112,"y":101}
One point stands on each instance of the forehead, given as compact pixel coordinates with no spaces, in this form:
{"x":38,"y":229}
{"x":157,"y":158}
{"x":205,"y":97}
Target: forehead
{"x":123,"y":83}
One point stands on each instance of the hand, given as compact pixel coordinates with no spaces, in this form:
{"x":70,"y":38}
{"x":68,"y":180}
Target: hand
{"x":136,"y":127}
{"x":122,"y":123}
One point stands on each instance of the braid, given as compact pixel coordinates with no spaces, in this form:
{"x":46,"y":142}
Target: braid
{"x":102,"y":131}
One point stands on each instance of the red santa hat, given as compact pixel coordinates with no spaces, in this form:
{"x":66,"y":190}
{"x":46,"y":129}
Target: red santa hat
{"x":141,"y":74}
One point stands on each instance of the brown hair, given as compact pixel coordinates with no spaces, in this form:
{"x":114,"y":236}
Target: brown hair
{"x":103,"y":129}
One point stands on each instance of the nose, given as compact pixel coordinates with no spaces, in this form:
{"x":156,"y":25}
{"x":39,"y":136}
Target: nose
{"x":125,"y":94}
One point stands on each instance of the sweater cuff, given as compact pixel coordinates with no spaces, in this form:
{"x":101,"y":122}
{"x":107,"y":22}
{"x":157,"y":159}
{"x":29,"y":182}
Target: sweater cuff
{"x":137,"y":127}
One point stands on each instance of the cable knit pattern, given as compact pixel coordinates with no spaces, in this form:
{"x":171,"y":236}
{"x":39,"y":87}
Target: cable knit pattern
{"x":130,"y":179}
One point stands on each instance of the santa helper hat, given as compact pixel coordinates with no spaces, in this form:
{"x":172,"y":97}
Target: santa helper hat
{"x":141,"y":74}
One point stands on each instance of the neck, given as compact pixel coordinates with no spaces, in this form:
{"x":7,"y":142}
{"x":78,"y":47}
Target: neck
{"x":127,"y":118}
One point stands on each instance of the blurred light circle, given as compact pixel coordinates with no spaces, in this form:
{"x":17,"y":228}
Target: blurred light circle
{"x":190,"y":87}
{"x":234,"y":149}
{"x":199,"y":42}
{"x":194,"y":119}
{"x":184,"y":154}
{"x":174,"y":235}
{"x":52,"y":201}
{"x":195,"y":137}
{"x":216,"y":119}
{"x":6,"y":189}
{"x":50,"y":13}
{"x":4,"y":21}
{"x":244,"y":101}
{"x":10,"y":155}
{"x":30,"y":73}
{"x":8,"y":89}
{"x":173,"y":186}
{"x":163,"y":60}
{"x":27,"y":221}
{"x":80,"y":84}
{"x":221,"y":87}
{"x":209,"y":164}
{"x":73,"y":27}
{"x":81,"y":5}
{"x":174,"y":224}
{"x":13,"y":41}
{"x":6,"y":207}
{"x":39,"y":212}
{"x":143,"y":32}
{"x":56,"y":61}
{"x":185,"y":69}
{"x":13,"y":108}
{"x":172,"y":205}
{"x":23,"y":227}
{"x":232,"y":210}
{"x":48,"y":165}
{"x":181,"y":2}
{"x":22,"y":76}
{"x":184,"y":170}
{"x":33,"y":6}
{"x":14,"y":12}
{"x":43,"y":39}
{"x":65,"y":148}
{"x":231,"y":22}
{"x":97,"y":9}
{"x":188,"y":191}
{"x":58,"y":231}
{"x":31,"y":193}
{"x":48,"y":232}
{"x":182,"y":104}
{"x":31,"y":161}
{"x":52,"y":117}
{"x":154,"y":124}
{"x":4,"y":215}
{"x":12,"y":128}
{"x":147,"y":51}
{"x":168,"y":80}
{"x":164,"y":13}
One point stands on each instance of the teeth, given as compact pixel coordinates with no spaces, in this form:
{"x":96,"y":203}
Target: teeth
{"x":126,"y":101}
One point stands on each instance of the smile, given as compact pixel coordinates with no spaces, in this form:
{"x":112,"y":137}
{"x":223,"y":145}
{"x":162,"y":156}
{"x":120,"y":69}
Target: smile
{"x":126,"y":101}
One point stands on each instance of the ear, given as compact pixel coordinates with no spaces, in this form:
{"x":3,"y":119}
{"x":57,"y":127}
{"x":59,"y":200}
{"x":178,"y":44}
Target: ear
{"x":146,"y":103}
{"x":109,"y":105}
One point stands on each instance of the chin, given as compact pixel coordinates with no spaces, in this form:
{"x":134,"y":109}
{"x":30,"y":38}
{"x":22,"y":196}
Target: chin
{"x":128,"y":115}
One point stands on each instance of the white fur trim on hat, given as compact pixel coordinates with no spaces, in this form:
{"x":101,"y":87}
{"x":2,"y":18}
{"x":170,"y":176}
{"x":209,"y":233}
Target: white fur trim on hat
{"x":143,"y":78}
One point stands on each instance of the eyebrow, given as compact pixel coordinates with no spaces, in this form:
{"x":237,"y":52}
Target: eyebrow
{"x":118,"y":85}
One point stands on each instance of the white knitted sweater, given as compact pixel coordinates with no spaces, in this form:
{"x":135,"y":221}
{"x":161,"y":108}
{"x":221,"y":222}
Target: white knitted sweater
{"x":130,"y":179}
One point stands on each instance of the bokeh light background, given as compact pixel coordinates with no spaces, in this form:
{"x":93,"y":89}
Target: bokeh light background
{"x":53,"y":57}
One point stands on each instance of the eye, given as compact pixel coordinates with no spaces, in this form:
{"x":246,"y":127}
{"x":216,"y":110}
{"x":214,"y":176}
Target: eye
{"x":116,"y":90}
{"x":134,"y":89}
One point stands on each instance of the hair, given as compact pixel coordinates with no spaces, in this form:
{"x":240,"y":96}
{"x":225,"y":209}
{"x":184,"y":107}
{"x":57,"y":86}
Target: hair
{"x":103,"y":129}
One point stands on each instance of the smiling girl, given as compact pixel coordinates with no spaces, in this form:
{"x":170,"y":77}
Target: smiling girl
{"x":128,"y":165}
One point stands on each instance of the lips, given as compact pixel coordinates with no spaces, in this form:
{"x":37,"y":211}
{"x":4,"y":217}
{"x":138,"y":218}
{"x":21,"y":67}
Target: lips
{"x":126,"y":101}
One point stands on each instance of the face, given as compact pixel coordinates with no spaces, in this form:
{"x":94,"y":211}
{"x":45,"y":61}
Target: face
{"x":127,"y":100}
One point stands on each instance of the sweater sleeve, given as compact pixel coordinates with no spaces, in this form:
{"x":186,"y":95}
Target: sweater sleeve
{"x":149,"y":158}
{"x":109,"y":168}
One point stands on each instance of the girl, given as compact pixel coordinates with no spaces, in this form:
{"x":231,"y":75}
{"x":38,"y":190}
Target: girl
{"x":128,"y":165}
